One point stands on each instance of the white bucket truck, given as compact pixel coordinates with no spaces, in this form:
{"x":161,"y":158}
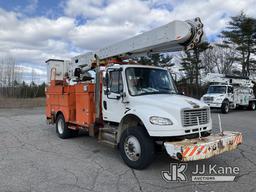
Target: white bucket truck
{"x":229,"y":92}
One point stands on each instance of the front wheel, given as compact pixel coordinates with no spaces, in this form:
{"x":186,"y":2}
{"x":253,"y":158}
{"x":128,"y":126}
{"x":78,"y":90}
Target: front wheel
{"x":225,"y":107}
{"x":136,"y":148}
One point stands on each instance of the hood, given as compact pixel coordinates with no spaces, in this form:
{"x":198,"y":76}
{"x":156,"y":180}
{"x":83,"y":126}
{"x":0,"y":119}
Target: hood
{"x":168,"y":101}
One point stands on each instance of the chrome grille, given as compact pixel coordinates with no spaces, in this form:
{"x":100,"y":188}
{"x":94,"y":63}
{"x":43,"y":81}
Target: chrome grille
{"x":189,"y":117}
{"x":208,"y":98}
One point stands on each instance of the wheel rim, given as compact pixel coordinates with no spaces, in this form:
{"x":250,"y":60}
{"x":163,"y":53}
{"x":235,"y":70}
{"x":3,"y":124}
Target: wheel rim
{"x":60,"y":126}
{"x":132,"y":148}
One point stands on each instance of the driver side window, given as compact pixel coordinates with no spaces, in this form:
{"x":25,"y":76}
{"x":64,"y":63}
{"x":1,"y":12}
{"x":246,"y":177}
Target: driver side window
{"x":230,"y":89}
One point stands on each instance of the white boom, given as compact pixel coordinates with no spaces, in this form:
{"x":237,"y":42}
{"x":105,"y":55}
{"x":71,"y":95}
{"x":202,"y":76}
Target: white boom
{"x":174,"y":36}
{"x":229,"y":80}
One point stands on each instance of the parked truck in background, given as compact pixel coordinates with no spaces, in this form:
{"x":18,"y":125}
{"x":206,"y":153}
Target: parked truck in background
{"x":229,"y":92}
{"x":134,"y":107}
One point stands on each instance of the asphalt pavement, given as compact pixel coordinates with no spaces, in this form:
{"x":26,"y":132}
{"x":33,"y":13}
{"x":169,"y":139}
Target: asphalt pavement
{"x":33,"y":158}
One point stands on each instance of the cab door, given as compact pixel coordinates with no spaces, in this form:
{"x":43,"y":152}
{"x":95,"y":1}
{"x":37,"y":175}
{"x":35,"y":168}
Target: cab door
{"x":112,"y":106}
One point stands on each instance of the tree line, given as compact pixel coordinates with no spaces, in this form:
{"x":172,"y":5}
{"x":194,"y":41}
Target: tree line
{"x":12,"y":83}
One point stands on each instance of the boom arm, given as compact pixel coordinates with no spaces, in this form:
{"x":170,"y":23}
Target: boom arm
{"x":174,"y":36}
{"x":227,"y":79}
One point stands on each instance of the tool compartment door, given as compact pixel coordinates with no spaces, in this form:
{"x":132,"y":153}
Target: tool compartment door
{"x":85,"y":105}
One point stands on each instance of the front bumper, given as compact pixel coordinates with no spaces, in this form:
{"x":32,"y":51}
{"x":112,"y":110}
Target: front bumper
{"x":204,"y":148}
{"x":216,"y":105}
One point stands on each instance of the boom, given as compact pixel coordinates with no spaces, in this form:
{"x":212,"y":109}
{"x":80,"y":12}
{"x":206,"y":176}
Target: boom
{"x":227,"y":79}
{"x":174,"y":36}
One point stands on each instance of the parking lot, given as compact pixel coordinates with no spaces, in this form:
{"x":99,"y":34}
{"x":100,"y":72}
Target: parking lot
{"x":33,"y":158}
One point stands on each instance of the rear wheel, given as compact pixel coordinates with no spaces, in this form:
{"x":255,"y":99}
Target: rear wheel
{"x":225,"y":107}
{"x":62,"y":129}
{"x":136,"y":148}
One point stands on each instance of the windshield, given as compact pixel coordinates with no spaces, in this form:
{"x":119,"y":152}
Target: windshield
{"x":142,"y":81}
{"x":217,"y":89}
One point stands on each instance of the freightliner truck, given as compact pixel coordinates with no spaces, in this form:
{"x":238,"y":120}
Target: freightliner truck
{"x":229,"y":92}
{"x":135,"y":108}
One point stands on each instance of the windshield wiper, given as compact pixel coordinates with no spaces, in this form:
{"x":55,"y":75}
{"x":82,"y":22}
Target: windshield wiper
{"x":154,"y":93}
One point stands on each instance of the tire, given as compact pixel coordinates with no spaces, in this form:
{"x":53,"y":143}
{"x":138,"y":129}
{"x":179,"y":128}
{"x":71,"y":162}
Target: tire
{"x":225,"y":107}
{"x":62,"y":129}
{"x":252,"y":105}
{"x":136,"y":148}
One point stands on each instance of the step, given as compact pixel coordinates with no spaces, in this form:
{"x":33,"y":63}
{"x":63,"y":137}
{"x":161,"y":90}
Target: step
{"x":108,"y":134}
{"x":108,"y":130}
{"x":112,"y":144}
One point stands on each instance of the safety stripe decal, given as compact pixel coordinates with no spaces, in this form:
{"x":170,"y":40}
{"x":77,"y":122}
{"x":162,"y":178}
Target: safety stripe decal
{"x":186,"y":151}
{"x":205,"y":151}
{"x":200,"y":150}
{"x":239,"y":139}
{"x":193,"y":151}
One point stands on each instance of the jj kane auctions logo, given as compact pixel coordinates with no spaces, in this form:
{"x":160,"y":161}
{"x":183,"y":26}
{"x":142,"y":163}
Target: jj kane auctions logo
{"x":179,"y":172}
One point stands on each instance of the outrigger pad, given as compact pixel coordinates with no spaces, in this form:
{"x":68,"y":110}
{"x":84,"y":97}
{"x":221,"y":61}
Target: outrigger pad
{"x":206,"y":147}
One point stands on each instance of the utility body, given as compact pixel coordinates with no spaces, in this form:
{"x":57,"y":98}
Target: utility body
{"x":229,"y":92}
{"x":134,"y":107}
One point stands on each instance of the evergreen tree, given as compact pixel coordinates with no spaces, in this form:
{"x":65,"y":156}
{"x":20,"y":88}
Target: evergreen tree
{"x":241,"y":32}
{"x":192,"y":64}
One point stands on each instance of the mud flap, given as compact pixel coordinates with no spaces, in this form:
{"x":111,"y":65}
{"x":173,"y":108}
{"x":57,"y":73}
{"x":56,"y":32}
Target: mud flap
{"x":204,"y":148}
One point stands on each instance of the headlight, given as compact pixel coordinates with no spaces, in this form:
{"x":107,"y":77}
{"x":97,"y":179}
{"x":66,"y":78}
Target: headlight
{"x":160,"y":120}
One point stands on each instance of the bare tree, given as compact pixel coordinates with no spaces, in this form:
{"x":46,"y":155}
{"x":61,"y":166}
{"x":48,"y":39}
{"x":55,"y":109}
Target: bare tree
{"x":207,"y":59}
{"x":218,"y":58}
{"x":224,"y":58}
{"x":7,"y":72}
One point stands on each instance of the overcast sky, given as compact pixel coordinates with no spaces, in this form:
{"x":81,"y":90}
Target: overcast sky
{"x":34,"y":30}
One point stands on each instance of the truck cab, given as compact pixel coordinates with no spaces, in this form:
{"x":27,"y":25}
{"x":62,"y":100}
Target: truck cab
{"x":219,"y":96}
{"x":149,"y":94}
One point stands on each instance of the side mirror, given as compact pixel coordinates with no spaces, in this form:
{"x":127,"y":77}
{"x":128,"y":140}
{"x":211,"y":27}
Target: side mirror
{"x":77,"y":72}
{"x":123,"y":94}
{"x":106,"y":92}
{"x":105,"y":84}
{"x":118,"y":97}
{"x":105,"y":80}
{"x":181,"y":93}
